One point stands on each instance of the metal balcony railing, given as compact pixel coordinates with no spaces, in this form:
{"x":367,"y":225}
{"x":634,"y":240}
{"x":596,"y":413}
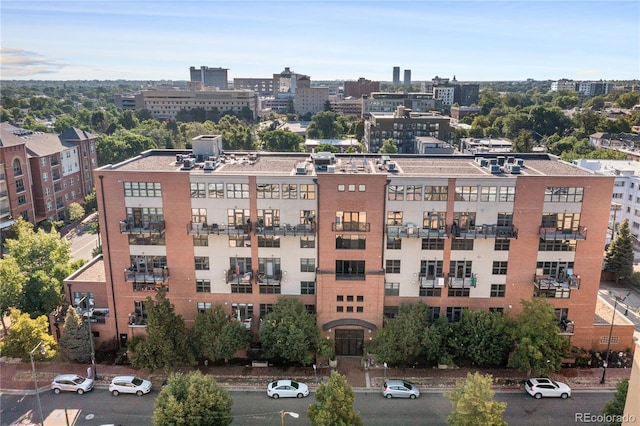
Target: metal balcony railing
{"x":351,"y":227}
{"x":239,"y":278}
{"x":577,"y":233}
{"x":264,"y":279}
{"x":146,"y":275}
{"x":142,"y":227}
{"x":461,"y":282}
{"x":430,"y":281}
{"x":548,"y":282}
{"x":200,"y":228}
{"x":484,"y":231}
{"x":286,"y":230}
{"x":410,"y":230}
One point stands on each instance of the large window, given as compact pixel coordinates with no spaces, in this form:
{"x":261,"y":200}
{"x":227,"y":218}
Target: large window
{"x":351,"y":221}
{"x":203,"y":286}
{"x":394,"y":218}
{"x":307,"y":265}
{"x":396,"y":193}
{"x":268,"y":241}
{"x":489,"y":193}
{"x":289,"y":191}
{"x":394,"y":243}
{"x":268,"y":218}
{"x":308,"y":242}
{"x":200,"y":240}
{"x":350,"y":270}
{"x":393,"y":266}
{"x":239,"y":240}
{"x":563,"y":195}
{"x":202,"y":263}
{"x":499,"y":268}
{"x":142,"y":189}
{"x":434,"y":220}
{"x":435,"y":193}
{"x":307,"y":192}
{"x":198,"y":190}
{"x":238,"y":218}
{"x":568,"y":221}
{"x":454,"y":314}
{"x":351,"y":242}
{"x":498,"y":290}
{"x":268,"y":190}
{"x":391,"y":289}
{"x":466,"y":193}
{"x":237,"y":190}
{"x":414,"y":193}
{"x":507,"y":193}
{"x":432,"y":244}
{"x":307,"y":287}
{"x":216,"y":190}
{"x":199,"y":215}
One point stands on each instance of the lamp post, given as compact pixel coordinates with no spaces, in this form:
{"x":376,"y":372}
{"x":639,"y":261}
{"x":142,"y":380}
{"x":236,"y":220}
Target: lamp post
{"x":291,"y":413}
{"x":43,"y":351}
{"x":613,"y":318}
{"x":87,"y":312}
{"x":615,"y":208}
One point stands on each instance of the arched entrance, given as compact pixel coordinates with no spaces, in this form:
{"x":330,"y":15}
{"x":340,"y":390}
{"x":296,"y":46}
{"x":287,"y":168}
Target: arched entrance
{"x":349,"y":341}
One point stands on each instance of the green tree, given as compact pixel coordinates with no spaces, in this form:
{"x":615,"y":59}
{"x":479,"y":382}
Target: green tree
{"x":192,"y":399}
{"x":326,"y":147}
{"x":12,"y":282}
{"x":25,"y":335}
{"x":401,"y":340}
{"x":324,"y":125}
{"x":538,"y":344}
{"x":215,"y":337}
{"x":473,"y":403}
{"x":74,"y":341}
{"x":619,"y":257}
{"x":334,"y":406}
{"x":388,"y":147}
{"x":615,"y":407}
{"x":628,"y":100}
{"x":166,"y":343}
{"x":91,"y":201}
{"x":76,"y":211}
{"x":282,"y":141}
{"x":289,"y":333}
{"x":523,"y":142}
{"x":482,"y":338}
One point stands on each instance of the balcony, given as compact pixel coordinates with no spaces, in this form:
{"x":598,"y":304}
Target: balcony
{"x":548,"y":282}
{"x":239,"y":278}
{"x":144,"y":227}
{"x":550,"y":234}
{"x":485,"y":231}
{"x":274,"y":279}
{"x":410,"y":230}
{"x":148,"y":276}
{"x":351,"y":227}
{"x":430,"y":281}
{"x":461,"y":282}
{"x":299,"y":230}
{"x":566,"y":327}
{"x":199,"y":228}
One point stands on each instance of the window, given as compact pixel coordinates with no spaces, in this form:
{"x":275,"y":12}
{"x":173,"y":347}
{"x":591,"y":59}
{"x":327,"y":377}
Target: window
{"x":395,"y":193}
{"x":362,"y":188}
{"x":199,"y":215}
{"x":17,"y":167}
{"x":454,"y":314}
{"x":339,"y":308}
{"x":216,"y":190}
{"x":359,"y":309}
{"x":391,"y":289}
{"x":466,"y":193}
{"x":557,"y":293}
{"x":204,"y":307}
{"x":394,"y":243}
{"x":19,"y":185}
{"x":307,"y":265}
{"x":501,"y":245}
{"x":458,"y":292}
{"x":351,"y":242}
{"x":394,"y":218}
{"x":237,"y":190}
{"x":202,"y":263}
{"x":142,"y":189}
{"x":269,"y":191}
{"x":563,"y":195}
{"x":200,"y":240}
{"x":308,"y":191}
{"x":307,"y":217}
{"x":414,"y":192}
{"x":307,"y":242}
{"x":432,"y":244}
{"x":393,"y":266}
{"x":359,"y":299}
{"x":198,"y":190}
{"x":435,"y":193}
{"x":45,"y":177}
{"x":22,"y":200}
{"x":349,"y":308}
{"x":430,"y":292}
{"x":239,"y":219}
{"x":203,"y":286}
{"x":267,"y":241}
{"x":152,"y":239}
{"x":265,"y":308}
{"x":307,"y":287}
{"x":507,"y":193}
{"x":350,"y":269}
{"x":340,"y":188}
{"x":461,"y":244}
{"x":564,"y":221}
{"x":289,"y":191}
{"x":351,"y":221}
{"x":350,"y":298}
{"x":463,"y":221}
{"x":499,"y":268}
{"x":391,"y":311}
{"x":488,"y":193}
{"x":339,"y":298}
{"x":497,"y":290}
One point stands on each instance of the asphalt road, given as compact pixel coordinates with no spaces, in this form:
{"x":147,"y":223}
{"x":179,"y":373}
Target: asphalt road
{"x":255,"y":408}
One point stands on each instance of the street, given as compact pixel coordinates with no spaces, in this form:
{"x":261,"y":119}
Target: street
{"x":98,"y":407}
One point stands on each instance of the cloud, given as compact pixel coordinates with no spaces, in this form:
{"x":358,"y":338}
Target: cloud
{"x":24,"y":63}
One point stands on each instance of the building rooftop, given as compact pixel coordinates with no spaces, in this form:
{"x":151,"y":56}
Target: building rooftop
{"x":283,"y":164}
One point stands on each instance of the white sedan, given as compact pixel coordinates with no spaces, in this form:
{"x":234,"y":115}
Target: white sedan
{"x":543,"y":387}
{"x":287,"y":389}
{"x":129,"y":384}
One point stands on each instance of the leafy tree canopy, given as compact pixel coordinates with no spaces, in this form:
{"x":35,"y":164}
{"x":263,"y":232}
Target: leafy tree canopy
{"x":74,"y":341}
{"x":388,"y":147}
{"x":282,"y":141}
{"x":334,"y":404}
{"x":619,"y":257}
{"x":12,"y":282}
{"x":217,"y":337}
{"x":615,"y":407}
{"x":25,"y":335}
{"x":473,"y":403}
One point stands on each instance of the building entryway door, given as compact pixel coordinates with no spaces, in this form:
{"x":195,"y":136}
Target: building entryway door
{"x":349,"y":342}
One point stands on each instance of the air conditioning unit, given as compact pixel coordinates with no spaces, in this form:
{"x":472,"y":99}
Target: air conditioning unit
{"x":188,"y":163}
{"x":495,"y":169}
{"x":391,"y":166}
{"x":301,"y":169}
{"x":209,"y":165}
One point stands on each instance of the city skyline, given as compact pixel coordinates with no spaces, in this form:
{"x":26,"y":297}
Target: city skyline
{"x":473,"y":40}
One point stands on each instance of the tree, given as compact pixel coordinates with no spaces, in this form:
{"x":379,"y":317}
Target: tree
{"x":282,"y":140}
{"x":166,"y":343}
{"x":619,"y":257}
{"x":481,"y":337}
{"x":334,"y":406}
{"x":628,"y":100}
{"x":326,"y":147}
{"x":25,"y":335}
{"x":91,"y":201}
{"x":615,"y":407}
{"x":289,"y":333}
{"x":523,"y":142}
{"x":216,"y":337}
{"x":12,"y":282}
{"x":538,"y":346}
{"x":74,"y":341}
{"x":388,"y":147}
{"x":473,"y":403}
{"x":192,"y":399}
{"x":324,"y":125}
{"x":76,"y":211}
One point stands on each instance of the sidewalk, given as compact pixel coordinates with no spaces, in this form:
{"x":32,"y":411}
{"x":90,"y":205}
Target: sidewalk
{"x":18,"y":377}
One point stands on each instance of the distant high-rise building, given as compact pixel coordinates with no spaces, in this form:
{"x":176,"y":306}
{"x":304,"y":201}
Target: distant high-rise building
{"x":407,"y":77}
{"x":210,"y":77}
{"x":466,"y":94}
{"x":396,"y":75}
{"x":361,"y":87}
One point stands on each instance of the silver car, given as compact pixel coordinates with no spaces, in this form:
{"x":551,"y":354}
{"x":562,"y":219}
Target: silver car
{"x":400,"y":389}
{"x":129,"y":384}
{"x":71,"y":383}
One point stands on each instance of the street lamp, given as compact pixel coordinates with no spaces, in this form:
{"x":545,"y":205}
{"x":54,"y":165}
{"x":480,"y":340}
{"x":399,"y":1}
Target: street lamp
{"x":87,"y":312}
{"x":615,"y":207}
{"x":613,"y":318}
{"x":43,"y":351}
{"x":291,"y":413}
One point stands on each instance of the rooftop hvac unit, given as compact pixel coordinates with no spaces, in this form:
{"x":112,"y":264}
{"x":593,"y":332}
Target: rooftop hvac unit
{"x":520,"y":162}
{"x":209,"y":165}
{"x":391,"y":166}
{"x":331,"y":168}
{"x":495,"y":169}
{"x":188,"y":163}
{"x":482,"y":161}
{"x":301,"y":169}
{"x":514,"y":169}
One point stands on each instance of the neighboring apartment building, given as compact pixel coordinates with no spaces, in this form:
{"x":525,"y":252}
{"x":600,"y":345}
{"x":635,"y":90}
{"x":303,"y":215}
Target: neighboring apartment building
{"x":165,"y":104}
{"x":362,"y":86}
{"x":466,"y":94}
{"x":459,"y":112}
{"x":351,"y":236}
{"x":262,"y":86}
{"x":389,"y":102}
{"x":44,"y":173}
{"x":310,"y":99}
{"x":403,"y":127}
{"x":444,"y":94}
{"x":349,"y":106}
{"x":210,"y":77}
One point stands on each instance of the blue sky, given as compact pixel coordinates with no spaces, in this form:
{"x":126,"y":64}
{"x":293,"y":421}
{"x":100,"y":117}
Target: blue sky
{"x":473,"y":40}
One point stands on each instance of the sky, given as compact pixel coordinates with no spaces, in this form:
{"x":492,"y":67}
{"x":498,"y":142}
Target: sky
{"x":341,"y":40}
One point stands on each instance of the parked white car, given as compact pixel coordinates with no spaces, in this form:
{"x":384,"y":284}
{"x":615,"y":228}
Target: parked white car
{"x":71,"y":383}
{"x":543,"y":387}
{"x":287,"y":389}
{"x":129,"y":384}
{"x":400,"y":389}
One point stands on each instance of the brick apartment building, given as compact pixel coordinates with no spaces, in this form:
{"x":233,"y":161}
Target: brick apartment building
{"x":351,"y":237}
